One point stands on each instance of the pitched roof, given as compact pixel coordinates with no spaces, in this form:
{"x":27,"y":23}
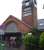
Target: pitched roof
{"x":11,"y":17}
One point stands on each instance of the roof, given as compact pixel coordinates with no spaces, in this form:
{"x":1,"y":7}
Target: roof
{"x":13,"y":18}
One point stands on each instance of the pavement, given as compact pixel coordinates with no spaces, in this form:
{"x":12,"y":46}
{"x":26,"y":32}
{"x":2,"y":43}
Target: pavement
{"x":5,"y":47}
{"x":11,"y":48}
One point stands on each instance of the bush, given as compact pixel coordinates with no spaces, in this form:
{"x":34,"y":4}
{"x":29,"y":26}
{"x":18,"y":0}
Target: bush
{"x":26,"y":39}
{"x":33,"y":40}
{"x":41,"y":41}
{"x":30,"y":41}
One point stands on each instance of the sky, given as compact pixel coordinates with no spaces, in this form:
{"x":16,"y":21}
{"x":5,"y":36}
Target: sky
{"x":40,"y":10}
{"x":14,"y":7}
{"x":10,"y":7}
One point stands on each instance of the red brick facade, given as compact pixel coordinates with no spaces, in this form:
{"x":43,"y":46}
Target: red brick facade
{"x":31,"y":20}
{"x":28,"y":20}
{"x":23,"y":27}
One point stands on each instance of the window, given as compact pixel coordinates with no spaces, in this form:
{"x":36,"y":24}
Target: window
{"x":25,"y":0}
{"x":1,"y":32}
{"x":27,"y":14}
{"x":27,"y":9}
{"x":41,"y":24}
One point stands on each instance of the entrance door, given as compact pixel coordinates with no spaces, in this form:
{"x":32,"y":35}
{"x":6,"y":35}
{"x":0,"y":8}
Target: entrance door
{"x":13,"y":39}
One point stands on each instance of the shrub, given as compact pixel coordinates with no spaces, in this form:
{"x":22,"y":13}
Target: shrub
{"x":41,"y":41}
{"x":33,"y":40}
{"x":29,"y":39}
{"x":26,"y":39}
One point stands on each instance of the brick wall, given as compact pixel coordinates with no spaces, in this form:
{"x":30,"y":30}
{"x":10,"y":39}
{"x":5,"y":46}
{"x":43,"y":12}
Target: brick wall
{"x":28,"y":20}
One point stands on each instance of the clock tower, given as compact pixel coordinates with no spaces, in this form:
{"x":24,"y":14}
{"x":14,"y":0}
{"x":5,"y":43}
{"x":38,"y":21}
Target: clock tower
{"x":29,"y":12}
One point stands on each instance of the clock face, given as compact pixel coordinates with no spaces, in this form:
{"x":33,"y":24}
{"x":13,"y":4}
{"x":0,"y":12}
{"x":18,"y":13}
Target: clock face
{"x":35,"y":3}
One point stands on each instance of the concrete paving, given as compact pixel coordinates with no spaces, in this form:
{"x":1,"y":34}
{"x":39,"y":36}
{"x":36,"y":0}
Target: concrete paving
{"x":3,"y":46}
{"x":11,"y":48}
{"x":7,"y":48}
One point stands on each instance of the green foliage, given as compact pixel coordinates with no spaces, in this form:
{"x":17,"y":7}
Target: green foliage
{"x":27,"y":40}
{"x":33,"y":40}
{"x":41,"y":41}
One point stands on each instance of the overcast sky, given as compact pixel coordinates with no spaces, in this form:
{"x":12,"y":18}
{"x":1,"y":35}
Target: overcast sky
{"x":14,"y":7}
{"x":40,"y":10}
{"x":10,"y":7}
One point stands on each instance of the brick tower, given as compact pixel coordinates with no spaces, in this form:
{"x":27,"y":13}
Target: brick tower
{"x":29,"y":12}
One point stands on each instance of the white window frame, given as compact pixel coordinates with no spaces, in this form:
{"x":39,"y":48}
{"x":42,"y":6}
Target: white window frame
{"x":28,"y":14}
{"x":27,"y":9}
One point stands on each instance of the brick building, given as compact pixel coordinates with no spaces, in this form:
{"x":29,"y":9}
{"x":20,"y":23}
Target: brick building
{"x":29,"y":19}
{"x":29,"y":12}
{"x":14,"y":25}
{"x":13,"y":28}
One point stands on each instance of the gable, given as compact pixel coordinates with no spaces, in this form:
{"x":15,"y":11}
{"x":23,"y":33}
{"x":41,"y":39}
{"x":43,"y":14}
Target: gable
{"x":12,"y":24}
{"x":12,"y":27}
